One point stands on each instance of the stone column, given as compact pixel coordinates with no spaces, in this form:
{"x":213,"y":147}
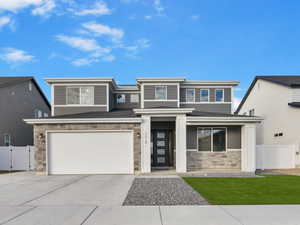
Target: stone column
{"x":249,"y":148}
{"x":181,"y":143}
{"x":146,"y":144}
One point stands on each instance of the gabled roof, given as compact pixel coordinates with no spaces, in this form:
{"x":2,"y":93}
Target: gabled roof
{"x":284,"y":80}
{"x":9,"y":81}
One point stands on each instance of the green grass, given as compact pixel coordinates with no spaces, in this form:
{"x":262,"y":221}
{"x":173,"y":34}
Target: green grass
{"x":271,"y":189}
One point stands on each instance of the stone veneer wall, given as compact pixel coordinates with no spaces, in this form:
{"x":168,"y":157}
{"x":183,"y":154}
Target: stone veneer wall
{"x":213,"y":160}
{"x":40,"y":142}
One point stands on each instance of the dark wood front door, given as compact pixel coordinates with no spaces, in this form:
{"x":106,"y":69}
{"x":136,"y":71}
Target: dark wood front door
{"x":160,"y":153}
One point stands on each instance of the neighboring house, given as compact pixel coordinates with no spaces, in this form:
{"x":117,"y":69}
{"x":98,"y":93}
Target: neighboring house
{"x":277,"y":100}
{"x":20,"y":97}
{"x":98,"y":126}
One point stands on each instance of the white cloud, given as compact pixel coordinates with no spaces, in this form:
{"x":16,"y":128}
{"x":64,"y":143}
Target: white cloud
{"x":5,"y":21}
{"x":158,"y":7}
{"x":100,"y":8}
{"x":236,"y":102}
{"x":100,"y":29}
{"x":15,"y":56}
{"x":108,"y":58}
{"x":195,"y":17}
{"x":15,"y":5}
{"x":45,"y":8}
{"x":83,"y":44}
{"x":84,"y":61}
{"x":148,"y":17}
{"x":133,"y":50}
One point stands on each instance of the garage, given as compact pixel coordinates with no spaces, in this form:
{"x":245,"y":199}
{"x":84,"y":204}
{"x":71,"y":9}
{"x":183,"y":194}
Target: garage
{"x":90,"y":152}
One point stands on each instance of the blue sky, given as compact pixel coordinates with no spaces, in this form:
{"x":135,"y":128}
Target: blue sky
{"x":125,"y":39}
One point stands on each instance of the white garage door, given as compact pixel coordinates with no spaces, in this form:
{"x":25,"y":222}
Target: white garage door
{"x":81,"y":152}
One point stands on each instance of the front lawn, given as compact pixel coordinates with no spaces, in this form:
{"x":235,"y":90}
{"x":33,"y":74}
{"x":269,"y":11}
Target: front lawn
{"x":271,"y":189}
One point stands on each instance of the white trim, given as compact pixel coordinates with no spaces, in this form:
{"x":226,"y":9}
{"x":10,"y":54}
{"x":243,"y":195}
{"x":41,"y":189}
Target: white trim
{"x":83,"y":120}
{"x":229,"y":82}
{"x":212,"y":139}
{"x":158,"y":100}
{"x":208,"y":90}
{"x":52,"y":100}
{"x":223,"y":119}
{"x":178,"y":95}
{"x":80,"y":105}
{"x":163,"y":110}
{"x":78,"y":84}
{"x":234,"y":150}
{"x":205,"y":103}
{"x":194,"y":91}
{"x":161,"y":84}
{"x":192,"y":150}
{"x":78,"y":79}
{"x":203,"y":87}
{"x":155,"y":93}
{"x":220,"y":89}
{"x":160,"y":79}
{"x":47,"y":132}
{"x":142,"y":96}
{"x":107,"y":97}
{"x":232,"y":99}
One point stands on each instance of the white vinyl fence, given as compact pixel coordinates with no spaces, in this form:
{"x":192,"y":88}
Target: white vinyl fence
{"x":276,"y":156}
{"x":16,"y":158}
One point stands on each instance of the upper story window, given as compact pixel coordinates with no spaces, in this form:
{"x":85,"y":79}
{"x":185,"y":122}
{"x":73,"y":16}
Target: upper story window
{"x":121,"y":98}
{"x":161,"y":92}
{"x":204,"y":95}
{"x":80,"y":95}
{"x":190,"y":95}
{"x":38,"y":113}
{"x":219,"y":95}
{"x":251,"y":112}
{"x":134,"y":98}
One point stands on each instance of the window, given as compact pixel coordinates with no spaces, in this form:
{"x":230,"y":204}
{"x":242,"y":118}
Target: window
{"x":121,"y":98}
{"x":30,"y":86}
{"x":7,"y":140}
{"x":161,"y":92}
{"x":190,"y":95}
{"x":211,"y":139}
{"x":134,"y":98}
{"x":204,"y":95}
{"x":251,"y":112}
{"x":219,"y":95}
{"x":45,"y":114}
{"x":80,"y":95}
{"x":38,"y":113}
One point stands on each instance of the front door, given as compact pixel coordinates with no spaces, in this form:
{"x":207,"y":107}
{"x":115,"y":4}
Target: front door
{"x":160,"y":153}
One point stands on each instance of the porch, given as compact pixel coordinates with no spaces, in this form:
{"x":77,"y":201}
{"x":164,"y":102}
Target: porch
{"x":178,"y":141}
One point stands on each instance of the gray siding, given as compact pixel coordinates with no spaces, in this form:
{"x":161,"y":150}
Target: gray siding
{"x":233,"y":137}
{"x":217,"y":108}
{"x":77,"y":109}
{"x":149,"y":92}
{"x":127,"y":104}
{"x":17,"y":103}
{"x":156,"y":104}
{"x":100,"y":95}
{"x":60,"y":94}
{"x":111,"y":98}
{"x":227,"y":94}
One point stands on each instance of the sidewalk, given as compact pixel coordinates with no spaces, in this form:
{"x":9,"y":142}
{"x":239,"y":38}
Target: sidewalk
{"x":151,"y":215}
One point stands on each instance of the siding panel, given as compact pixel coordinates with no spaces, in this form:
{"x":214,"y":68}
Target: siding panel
{"x":172,"y":92}
{"x":100,"y":95}
{"x":160,"y":104}
{"x":60,"y":95}
{"x":218,"y":107}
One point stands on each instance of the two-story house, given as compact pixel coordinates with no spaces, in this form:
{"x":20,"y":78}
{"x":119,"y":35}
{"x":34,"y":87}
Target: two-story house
{"x":277,"y":100}
{"x":98,"y":126}
{"x":20,"y":97}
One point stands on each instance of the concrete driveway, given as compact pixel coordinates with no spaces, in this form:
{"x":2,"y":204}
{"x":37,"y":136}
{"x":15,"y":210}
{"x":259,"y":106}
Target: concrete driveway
{"x":26,"y":198}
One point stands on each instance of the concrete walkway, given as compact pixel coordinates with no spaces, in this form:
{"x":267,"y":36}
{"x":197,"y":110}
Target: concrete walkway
{"x":27,"y":199}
